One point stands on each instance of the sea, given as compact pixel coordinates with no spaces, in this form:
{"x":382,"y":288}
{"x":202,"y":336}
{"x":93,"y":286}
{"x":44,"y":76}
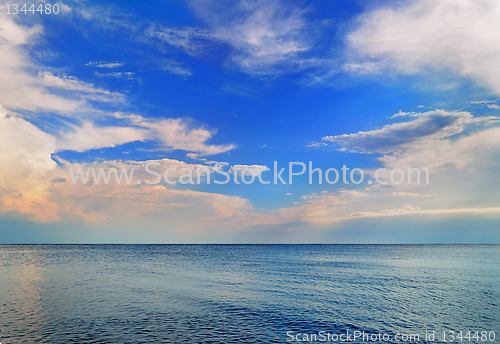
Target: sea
{"x":63,"y":294}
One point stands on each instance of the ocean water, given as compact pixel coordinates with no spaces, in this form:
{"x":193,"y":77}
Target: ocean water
{"x":248,"y":293}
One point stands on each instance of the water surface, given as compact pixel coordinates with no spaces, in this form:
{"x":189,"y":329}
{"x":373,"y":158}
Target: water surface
{"x":243,"y":293}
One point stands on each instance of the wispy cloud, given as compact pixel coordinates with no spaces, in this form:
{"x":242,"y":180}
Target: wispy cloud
{"x":105,"y":64}
{"x":169,"y":134}
{"x":82,"y":89}
{"x":266,"y":37}
{"x":193,"y":41}
{"x":409,"y":210}
{"x":488,"y":103}
{"x":174,"y":67}
{"x":47,"y":91}
{"x":432,"y":125}
{"x":118,"y":75}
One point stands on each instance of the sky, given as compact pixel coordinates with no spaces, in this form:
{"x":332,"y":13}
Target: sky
{"x":230,"y":85}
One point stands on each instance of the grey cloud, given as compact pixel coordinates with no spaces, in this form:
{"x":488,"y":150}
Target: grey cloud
{"x":436,"y":124}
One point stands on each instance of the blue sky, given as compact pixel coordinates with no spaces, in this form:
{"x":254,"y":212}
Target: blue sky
{"x":366,"y":84}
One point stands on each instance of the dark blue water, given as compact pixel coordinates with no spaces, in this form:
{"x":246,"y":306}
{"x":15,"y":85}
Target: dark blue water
{"x":245,"y":293}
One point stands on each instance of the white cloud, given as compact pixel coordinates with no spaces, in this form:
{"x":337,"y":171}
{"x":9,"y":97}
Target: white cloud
{"x":84,"y":90}
{"x":249,"y":170}
{"x":26,"y":86}
{"x":404,"y":114}
{"x":34,"y":185}
{"x":444,"y":35}
{"x":25,"y":165}
{"x":268,"y":33}
{"x":174,"y":67}
{"x":266,"y":36}
{"x":193,"y":41}
{"x":436,"y":154}
{"x":105,"y":65}
{"x":488,"y":103}
{"x":170,"y":134}
{"x":178,"y":134}
{"x":88,"y":136}
{"x":459,"y":150}
{"x":91,"y":203}
{"x":14,"y":34}
{"x":22,"y":139}
{"x":316,"y":145}
{"x":19,"y":86}
{"x":118,"y":75}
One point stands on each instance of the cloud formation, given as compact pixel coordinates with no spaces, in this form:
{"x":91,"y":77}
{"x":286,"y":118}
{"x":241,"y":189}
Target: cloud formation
{"x":432,"y":35}
{"x":20,"y":86}
{"x":23,"y":89}
{"x":428,"y":140}
{"x":265,"y":36}
{"x":431,"y":125}
{"x":34,"y":185}
{"x":25,"y":165}
{"x":170,"y":134}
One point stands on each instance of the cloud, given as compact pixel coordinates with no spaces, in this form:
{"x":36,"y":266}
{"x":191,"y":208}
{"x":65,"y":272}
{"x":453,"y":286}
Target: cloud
{"x":317,"y":145}
{"x":20,"y":88}
{"x":266,"y":34}
{"x":34,"y":186}
{"x":409,"y":210}
{"x":437,"y":154}
{"x":25,"y":164}
{"x":248,"y":170}
{"x":408,"y":194}
{"x":170,"y":134}
{"x":13,"y":34}
{"x":457,"y":149}
{"x":488,"y":103}
{"x":91,"y":203}
{"x":24,"y":85}
{"x":265,"y":37}
{"x":22,"y":139}
{"x":112,"y":202}
{"x":105,"y":65}
{"x":428,"y":126}
{"x":118,"y":75}
{"x":178,"y":134}
{"x":460,"y":151}
{"x":327,"y":209}
{"x":174,"y":67}
{"x":193,"y":41}
{"x":87,"y":136}
{"x":82,"y":89}
{"x":425,"y":35}
{"x":262,"y":38}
